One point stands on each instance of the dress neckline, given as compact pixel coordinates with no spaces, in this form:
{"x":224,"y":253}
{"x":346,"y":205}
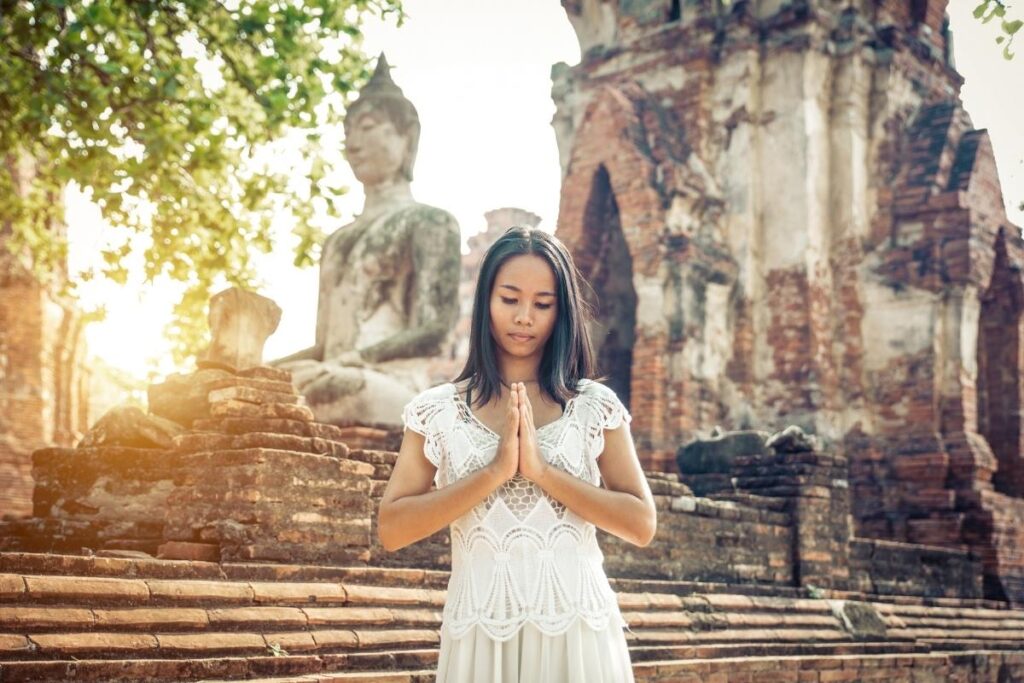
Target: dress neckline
{"x":480,"y":423}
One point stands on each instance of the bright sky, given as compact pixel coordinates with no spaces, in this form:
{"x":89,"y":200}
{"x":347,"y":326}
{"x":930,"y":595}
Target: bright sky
{"x":479,"y":75}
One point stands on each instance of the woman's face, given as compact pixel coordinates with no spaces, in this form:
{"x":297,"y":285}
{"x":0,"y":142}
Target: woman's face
{"x":524,"y":304}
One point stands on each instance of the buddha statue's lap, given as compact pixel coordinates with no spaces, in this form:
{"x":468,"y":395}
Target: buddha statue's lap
{"x":388,"y":281}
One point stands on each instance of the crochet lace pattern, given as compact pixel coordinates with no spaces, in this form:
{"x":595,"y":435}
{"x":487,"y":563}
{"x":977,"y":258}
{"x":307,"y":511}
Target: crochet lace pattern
{"x":520,"y":556}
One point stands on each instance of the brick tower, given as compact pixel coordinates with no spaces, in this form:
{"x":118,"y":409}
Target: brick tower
{"x":43,"y":395}
{"x":788,"y":217}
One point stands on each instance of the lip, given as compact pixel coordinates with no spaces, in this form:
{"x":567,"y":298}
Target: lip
{"x":521,"y":337}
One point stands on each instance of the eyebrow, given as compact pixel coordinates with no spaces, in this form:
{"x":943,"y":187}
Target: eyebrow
{"x":516,"y":289}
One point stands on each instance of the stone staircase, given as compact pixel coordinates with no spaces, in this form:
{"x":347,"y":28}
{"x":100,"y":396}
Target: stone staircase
{"x":81,"y":618}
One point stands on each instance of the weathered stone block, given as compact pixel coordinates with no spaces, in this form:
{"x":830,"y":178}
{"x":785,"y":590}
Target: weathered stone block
{"x":250,"y":395}
{"x":129,"y":426}
{"x":715,"y":456}
{"x":183,"y":398}
{"x":238,"y":408}
{"x":181,"y":550}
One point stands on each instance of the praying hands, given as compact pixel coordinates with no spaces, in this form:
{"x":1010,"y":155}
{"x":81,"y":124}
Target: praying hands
{"x":518,"y":451}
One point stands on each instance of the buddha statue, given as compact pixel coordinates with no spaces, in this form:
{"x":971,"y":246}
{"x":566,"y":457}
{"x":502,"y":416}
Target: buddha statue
{"x":388,"y":280}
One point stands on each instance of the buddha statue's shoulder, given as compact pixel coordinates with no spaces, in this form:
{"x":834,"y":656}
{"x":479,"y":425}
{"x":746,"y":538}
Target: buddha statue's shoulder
{"x":426,"y":217}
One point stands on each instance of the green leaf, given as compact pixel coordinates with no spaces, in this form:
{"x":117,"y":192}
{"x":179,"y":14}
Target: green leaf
{"x":1011,"y":27}
{"x":981,"y":8}
{"x":205,"y":208}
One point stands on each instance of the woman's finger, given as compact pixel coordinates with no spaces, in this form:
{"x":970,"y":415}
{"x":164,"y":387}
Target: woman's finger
{"x":527,"y":407}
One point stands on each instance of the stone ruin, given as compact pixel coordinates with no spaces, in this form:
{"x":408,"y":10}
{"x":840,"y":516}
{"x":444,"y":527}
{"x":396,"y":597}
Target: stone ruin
{"x":227,"y":534}
{"x":43,"y":377}
{"x":842,"y":315}
{"x":789,"y":219}
{"x":229,"y":464}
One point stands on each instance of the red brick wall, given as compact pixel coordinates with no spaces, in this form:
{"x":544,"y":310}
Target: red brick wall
{"x":23,"y":395}
{"x":651,"y":110}
{"x":43,"y":381}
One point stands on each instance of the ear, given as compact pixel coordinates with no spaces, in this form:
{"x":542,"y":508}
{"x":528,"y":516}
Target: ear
{"x":411,"y":146}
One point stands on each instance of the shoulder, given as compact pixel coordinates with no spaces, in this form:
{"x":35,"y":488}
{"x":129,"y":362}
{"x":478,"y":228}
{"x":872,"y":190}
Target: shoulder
{"x":430,"y":217}
{"x":430,"y":410}
{"x":603,"y":404}
{"x":442,"y":392}
{"x":593,"y":389}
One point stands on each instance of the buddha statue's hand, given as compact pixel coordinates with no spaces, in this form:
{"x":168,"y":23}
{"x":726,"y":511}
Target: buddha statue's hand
{"x":506,"y":459}
{"x":351,"y":359}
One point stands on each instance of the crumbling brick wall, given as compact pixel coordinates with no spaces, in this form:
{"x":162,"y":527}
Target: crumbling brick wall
{"x":815,"y":236}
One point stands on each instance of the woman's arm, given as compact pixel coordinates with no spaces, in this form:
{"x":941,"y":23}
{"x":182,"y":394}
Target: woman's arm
{"x":410,"y":511}
{"x":624,"y":508}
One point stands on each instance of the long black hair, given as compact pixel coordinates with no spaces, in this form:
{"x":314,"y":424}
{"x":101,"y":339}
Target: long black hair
{"x":568,"y":355}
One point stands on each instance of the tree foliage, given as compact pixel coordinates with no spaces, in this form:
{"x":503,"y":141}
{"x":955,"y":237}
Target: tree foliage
{"x":989,"y":10}
{"x":158,"y":109}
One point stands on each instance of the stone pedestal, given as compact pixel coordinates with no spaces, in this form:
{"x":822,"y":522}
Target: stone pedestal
{"x":812,"y":484}
{"x":103,"y":498}
{"x":262,"y":481}
{"x":272,"y":505}
{"x":255,"y":478}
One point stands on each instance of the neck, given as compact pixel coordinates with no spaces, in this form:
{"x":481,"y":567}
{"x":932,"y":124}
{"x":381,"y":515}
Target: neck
{"x":518,"y":369}
{"x":386,"y":194}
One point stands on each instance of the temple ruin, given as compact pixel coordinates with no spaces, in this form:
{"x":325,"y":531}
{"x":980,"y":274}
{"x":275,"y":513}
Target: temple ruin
{"x":810,"y":296}
{"x":789,"y":219}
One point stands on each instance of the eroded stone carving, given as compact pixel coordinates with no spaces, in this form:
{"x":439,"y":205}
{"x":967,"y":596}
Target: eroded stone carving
{"x":240,"y":323}
{"x":388,"y":281}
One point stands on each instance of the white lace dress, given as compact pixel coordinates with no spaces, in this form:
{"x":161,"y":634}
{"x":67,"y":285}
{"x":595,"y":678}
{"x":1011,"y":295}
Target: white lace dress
{"x":528,"y":599}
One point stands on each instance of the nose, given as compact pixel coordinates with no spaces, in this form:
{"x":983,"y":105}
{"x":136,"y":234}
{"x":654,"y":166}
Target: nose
{"x":522,"y":316}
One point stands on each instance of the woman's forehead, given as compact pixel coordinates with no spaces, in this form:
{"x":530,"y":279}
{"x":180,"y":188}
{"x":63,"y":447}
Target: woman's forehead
{"x":526,"y":273}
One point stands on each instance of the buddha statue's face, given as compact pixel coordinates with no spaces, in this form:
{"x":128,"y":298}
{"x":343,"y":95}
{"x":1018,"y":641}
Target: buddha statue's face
{"x":374,"y":148}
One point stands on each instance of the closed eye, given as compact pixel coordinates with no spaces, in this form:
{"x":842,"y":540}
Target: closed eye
{"x":511,"y":302}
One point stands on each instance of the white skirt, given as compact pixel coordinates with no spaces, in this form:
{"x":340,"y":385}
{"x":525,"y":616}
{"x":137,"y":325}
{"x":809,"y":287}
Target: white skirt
{"x":580,"y":655}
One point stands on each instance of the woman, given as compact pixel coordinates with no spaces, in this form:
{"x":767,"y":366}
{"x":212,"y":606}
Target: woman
{"x":518,"y":446}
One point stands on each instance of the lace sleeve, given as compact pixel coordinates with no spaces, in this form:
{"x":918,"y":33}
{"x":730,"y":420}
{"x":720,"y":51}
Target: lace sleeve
{"x":606,"y":412}
{"x":413,"y":417}
{"x":424,"y":415}
{"x":608,"y":408}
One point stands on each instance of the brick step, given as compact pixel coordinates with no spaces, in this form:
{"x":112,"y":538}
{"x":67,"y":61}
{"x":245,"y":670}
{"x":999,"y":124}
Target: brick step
{"x":414,"y":666}
{"x":737,"y":636}
{"x":952,"y":625}
{"x":718,"y":621}
{"x":96,"y":567}
{"x":682,"y":588}
{"x":643,"y":653}
{"x":718,"y":602}
{"x":380,"y":677}
{"x":101,"y":645}
{"x":956,"y":624}
{"x":396,"y":669}
{"x":408,"y":663}
{"x":15,"y":588}
{"x":932,"y":666}
{"x":114,"y":567}
{"x":41,"y":590}
{"x":28,"y":620}
{"x":928,"y":611}
{"x":959,"y":643}
{"x":960,"y":634}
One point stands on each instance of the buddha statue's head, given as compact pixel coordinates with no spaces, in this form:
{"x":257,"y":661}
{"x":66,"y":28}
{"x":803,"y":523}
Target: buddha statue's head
{"x":382,"y":131}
